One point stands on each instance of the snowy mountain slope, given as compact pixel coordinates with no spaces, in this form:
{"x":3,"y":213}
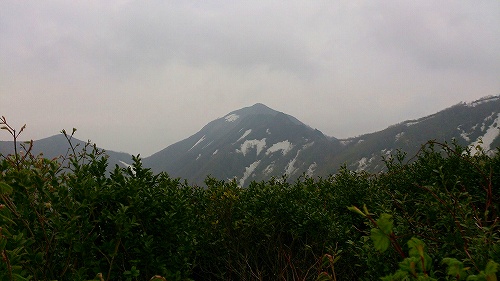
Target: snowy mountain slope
{"x":257,"y":143}
{"x":253,"y":143}
{"x":470,"y":124}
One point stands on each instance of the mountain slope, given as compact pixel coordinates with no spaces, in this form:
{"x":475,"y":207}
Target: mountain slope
{"x":252,"y":143}
{"x":466,"y":123}
{"x":256,"y":143}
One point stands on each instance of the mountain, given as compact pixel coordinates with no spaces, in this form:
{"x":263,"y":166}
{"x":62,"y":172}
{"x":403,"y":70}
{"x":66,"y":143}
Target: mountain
{"x":469,"y":124}
{"x":257,"y":142}
{"x":57,"y":145}
{"x":253,"y":143}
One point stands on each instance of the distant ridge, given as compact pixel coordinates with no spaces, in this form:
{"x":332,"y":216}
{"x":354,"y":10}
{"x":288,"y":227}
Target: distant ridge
{"x":57,"y":146}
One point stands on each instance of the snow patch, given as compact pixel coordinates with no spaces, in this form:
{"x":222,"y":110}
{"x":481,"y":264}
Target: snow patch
{"x":481,"y":101}
{"x":231,"y":117}
{"x":414,"y":122}
{"x":285,"y":146}
{"x":244,"y":134}
{"x":399,"y":135}
{"x":200,"y":140}
{"x":290,"y":169}
{"x":128,"y":166}
{"x":199,"y":155}
{"x":268,"y":131}
{"x":208,"y":144}
{"x":310,"y":170}
{"x":363,"y":162}
{"x":483,"y":126}
{"x":463,"y":134}
{"x":269,"y":169}
{"x":488,"y":137}
{"x":307,"y":145}
{"x":248,"y":144}
{"x":248,"y":171}
{"x":125,"y":164}
{"x":386,"y":151}
{"x":215,"y":152}
{"x":345,"y":142}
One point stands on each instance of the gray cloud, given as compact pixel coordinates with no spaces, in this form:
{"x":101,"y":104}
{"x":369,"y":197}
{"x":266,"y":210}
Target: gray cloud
{"x":439,"y":35}
{"x":151,"y":73}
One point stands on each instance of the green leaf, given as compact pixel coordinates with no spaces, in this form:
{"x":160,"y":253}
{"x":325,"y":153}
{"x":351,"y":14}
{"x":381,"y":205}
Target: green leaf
{"x":323,"y":276}
{"x":18,"y":277}
{"x":455,"y":268}
{"x":356,"y":210}
{"x":380,"y":235}
{"x":5,"y":189}
{"x":491,"y":268}
{"x":385,"y":223}
{"x":7,"y":219}
{"x":489,"y":274}
{"x":39,"y":258}
{"x":3,"y":242}
{"x":398,"y":275}
{"x":416,"y":247}
{"x":417,"y":250}
{"x":380,"y":240}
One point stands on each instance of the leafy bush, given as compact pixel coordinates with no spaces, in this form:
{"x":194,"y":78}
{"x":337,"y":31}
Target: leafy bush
{"x":69,"y":219}
{"x":447,"y":198}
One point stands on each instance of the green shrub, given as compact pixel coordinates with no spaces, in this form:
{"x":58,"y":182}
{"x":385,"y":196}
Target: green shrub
{"x":447,"y":198}
{"x":69,"y":219}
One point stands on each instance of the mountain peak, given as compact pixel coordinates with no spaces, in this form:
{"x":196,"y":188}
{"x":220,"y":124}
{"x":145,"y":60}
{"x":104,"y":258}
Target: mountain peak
{"x":260,"y":106}
{"x":257,"y":108}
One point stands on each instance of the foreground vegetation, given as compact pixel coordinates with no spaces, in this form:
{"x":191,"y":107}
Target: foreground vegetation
{"x":431,"y":217}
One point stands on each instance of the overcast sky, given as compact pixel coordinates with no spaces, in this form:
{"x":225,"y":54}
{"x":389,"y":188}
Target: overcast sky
{"x":137,"y":76}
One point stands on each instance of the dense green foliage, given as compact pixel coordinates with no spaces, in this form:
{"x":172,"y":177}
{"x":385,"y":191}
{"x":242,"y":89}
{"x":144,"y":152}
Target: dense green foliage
{"x":68,"y":219}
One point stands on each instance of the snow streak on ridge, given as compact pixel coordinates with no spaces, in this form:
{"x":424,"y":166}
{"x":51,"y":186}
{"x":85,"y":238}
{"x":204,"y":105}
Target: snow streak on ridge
{"x":244,"y":134}
{"x":482,"y":100}
{"x":202,"y":139}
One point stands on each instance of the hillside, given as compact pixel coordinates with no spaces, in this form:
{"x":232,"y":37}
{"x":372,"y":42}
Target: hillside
{"x":253,"y":143}
{"x":468,"y":124}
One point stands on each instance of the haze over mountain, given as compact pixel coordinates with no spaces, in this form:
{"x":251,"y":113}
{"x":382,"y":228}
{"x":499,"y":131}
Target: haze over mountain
{"x":257,"y":143}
